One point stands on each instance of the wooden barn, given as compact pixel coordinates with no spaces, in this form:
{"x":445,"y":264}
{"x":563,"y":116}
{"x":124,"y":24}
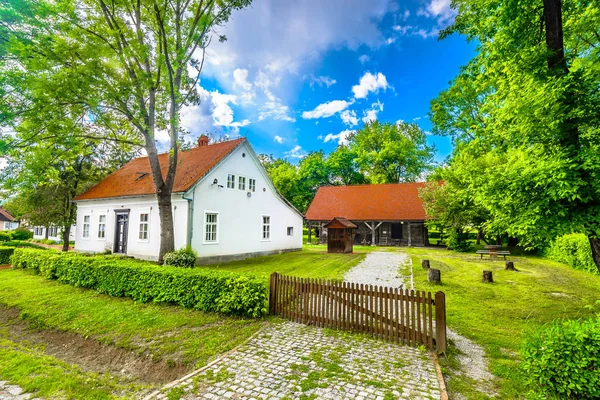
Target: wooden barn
{"x":385,"y":215}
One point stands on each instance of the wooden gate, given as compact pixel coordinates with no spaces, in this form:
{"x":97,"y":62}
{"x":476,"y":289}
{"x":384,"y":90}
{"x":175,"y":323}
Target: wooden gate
{"x":392,"y":314}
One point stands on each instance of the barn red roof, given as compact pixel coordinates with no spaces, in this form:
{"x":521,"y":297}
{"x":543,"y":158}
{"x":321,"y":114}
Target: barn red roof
{"x":387,"y":202}
{"x":192,"y":165}
{"x":5,"y":215}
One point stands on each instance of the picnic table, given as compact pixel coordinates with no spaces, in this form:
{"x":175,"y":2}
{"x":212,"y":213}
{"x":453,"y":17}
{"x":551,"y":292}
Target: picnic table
{"x":493,"y":250}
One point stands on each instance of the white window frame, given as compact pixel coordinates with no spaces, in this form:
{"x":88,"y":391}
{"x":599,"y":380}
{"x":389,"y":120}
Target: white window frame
{"x":231,"y":181}
{"x":89,"y":226}
{"x":205,"y":224}
{"x":242,"y":183}
{"x":7,"y":226}
{"x":147,"y":223}
{"x":251,"y":185}
{"x":103,"y":224}
{"x":262,"y":228}
{"x":290,"y":231}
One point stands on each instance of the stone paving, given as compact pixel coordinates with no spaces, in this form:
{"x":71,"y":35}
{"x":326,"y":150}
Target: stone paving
{"x":12,"y":392}
{"x":293,"y":361}
{"x":379,"y":268}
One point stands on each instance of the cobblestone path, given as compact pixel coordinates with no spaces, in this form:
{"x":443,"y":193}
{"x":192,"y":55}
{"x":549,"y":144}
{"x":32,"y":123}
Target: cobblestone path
{"x":293,"y":361}
{"x":379,"y":268}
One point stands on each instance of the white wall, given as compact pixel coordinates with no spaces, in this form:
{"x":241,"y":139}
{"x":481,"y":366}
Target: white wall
{"x":58,"y":236}
{"x":145,"y":249}
{"x":239,"y":216}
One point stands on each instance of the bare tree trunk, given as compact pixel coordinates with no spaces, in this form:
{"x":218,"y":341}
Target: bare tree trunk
{"x":165,"y":213}
{"x":595,"y":245}
{"x":47,"y":231}
{"x":554,"y":34}
{"x":65,"y":237}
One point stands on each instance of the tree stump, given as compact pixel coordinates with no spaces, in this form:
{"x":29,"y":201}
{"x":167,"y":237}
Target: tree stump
{"x":434,"y":275}
{"x":487,"y":277}
{"x":509,"y":266}
{"x":425,"y":264}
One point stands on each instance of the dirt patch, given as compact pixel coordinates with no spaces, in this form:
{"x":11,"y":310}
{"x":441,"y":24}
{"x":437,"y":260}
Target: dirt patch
{"x":5,"y":266}
{"x":89,"y":354}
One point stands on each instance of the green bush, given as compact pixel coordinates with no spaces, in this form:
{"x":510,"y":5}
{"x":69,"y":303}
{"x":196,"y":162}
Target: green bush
{"x":206,"y":290}
{"x":563,"y":360}
{"x":458,"y":241}
{"x":185,"y":258}
{"x":5,"y":254}
{"x":5,"y":236}
{"x":21,"y":234}
{"x":17,"y":243}
{"x":573,"y":250}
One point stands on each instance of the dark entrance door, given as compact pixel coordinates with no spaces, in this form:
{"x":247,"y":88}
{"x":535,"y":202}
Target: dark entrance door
{"x":121,"y":230}
{"x":396,"y":230}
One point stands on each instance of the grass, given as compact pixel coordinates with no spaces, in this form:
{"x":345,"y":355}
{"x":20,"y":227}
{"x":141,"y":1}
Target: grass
{"x":499,"y":316}
{"x":312,"y":262}
{"x":171,"y":334}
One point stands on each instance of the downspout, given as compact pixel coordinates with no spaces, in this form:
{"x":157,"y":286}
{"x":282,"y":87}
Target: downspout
{"x":190,"y":223}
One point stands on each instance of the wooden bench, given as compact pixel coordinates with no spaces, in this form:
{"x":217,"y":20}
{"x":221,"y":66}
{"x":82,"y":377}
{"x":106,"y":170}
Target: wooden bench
{"x":494,"y":253}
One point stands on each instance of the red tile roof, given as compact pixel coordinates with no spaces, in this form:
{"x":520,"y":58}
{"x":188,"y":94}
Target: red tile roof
{"x":387,"y":202}
{"x":5,"y":215}
{"x":192,"y":165}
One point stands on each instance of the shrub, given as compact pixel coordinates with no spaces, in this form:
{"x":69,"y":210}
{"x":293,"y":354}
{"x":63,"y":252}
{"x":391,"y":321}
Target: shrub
{"x":16,"y":243}
{"x":22,"y":234}
{"x":206,"y":290}
{"x":5,"y":236}
{"x":457,"y":240}
{"x":573,"y":250}
{"x":5,"y":254}
{"x":564,"y":360}
{"x":185,"y":257}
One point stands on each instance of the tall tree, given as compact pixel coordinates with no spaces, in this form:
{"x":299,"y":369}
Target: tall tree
{"x":121,"y":63}
{"x":538,"y":86}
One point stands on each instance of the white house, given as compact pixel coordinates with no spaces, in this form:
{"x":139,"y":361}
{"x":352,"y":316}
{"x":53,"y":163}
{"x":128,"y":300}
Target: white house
{"x":224,"y":206}
{"x":54,"y":233}
{"x":7,"y":221}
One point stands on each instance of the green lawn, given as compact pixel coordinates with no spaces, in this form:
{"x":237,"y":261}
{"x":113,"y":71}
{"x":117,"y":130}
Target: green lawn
{"x":498,"y":316}
{"x":312,"y":262}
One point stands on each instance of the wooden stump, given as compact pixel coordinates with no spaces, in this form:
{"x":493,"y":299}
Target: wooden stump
{"x":434,"y":275}
{"x":425,"y":264}
{"x":487,"y":277}
{"x":509,"y":266}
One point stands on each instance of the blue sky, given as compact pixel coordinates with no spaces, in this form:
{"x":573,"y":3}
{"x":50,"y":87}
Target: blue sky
{"x":299,"y":76}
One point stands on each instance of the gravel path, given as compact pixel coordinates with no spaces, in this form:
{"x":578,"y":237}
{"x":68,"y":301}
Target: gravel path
{"x":379,"y":268}
{"x":294,"y":361}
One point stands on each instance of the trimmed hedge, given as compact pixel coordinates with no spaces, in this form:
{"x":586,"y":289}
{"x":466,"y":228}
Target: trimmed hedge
{"x":5,"y":254}
{"x":563,"y":360}
{"x":573,"y":250}
{"x":206,"y":290}
{"x":21,"y":234}
{"x":5,"y":236}
{"x":17,"y":243}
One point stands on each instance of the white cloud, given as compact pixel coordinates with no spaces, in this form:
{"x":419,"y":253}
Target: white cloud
{"x":326,"y":109}
{"x":240,"y":79}
{"x":322,"y":81}
{"x":342,"y":137}
{"x":440,"y":10}
{"x":405,"y":15}
{"x":364,"y":59}
{"x":371,"y":114}
{"x":275,"y":110}
{"x":296,"y":153}
{"x":279,"y":139}
{"x":222,"y":112}
{"x":369,"y":83}
{"x":409,"y":30}
{"x":390,"y":40}
{"x":349,"y":118}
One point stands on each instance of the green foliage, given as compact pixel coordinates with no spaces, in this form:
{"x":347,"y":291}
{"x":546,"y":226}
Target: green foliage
{"x":22,"y":234}
{"x":5,"y":254}
{"x":563,"y":360}
{"x":5,"y":236}
{"x":458,"y":240}
{"x":573,"y":250}
{"x":206,"y":290}
{"x":17,"y":243}
{"x":185,"y":257}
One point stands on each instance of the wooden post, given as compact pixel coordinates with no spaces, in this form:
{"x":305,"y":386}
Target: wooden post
{"x":273,"y":293}
{"x":487,"y":277}
{"x":440,"y":322}
{"x":409,"y":236}
{"x":309,"y":233}
{"x":425,"y":264}
{"x":434,"y":275}
{"x":509,"y":266}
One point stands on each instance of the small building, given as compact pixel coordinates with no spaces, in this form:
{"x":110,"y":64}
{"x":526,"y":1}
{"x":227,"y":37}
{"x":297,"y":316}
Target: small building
{"x":224,"y":204}
{"x":340,"y":235}
{"x":385,"y":215}
{"x":7,"y":221}
{"x":52,"y":233}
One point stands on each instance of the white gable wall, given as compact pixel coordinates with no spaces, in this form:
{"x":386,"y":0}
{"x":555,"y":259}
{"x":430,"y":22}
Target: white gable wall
{"x":144,"y":249}
{"x":239,"y":227}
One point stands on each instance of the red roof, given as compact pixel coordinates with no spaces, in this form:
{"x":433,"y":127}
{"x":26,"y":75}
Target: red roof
{"x":5,"y":215}
{"x":192,"y":165}
{"x":387,"y":202}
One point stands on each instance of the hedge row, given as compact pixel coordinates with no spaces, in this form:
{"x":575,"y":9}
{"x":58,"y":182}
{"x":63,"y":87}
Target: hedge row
{"x":206,"y":290}
{"x":17,"y":234}
{"x":573,"y":250}
{"x":5,"y":254}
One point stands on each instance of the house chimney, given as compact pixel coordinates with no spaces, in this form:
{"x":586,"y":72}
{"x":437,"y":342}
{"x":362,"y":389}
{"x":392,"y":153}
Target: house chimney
{"x":203,"y":140}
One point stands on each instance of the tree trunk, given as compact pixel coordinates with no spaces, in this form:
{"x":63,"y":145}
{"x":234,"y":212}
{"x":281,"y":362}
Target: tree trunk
{"x":47,"y":232}
{"x":595,"y":245}
{"x":165,"y":213}
{"x":425,"y":264}
{"x":554,"y":34}
{"x":434,"y":275}
{"x":65,"y":237}
{"x":509,"y":266}
{"x":479,"y":237}
{"x":487,"y":277}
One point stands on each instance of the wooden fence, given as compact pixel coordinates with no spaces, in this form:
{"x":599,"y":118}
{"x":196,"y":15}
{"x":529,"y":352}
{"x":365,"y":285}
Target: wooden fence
{"x":392,"y":314}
